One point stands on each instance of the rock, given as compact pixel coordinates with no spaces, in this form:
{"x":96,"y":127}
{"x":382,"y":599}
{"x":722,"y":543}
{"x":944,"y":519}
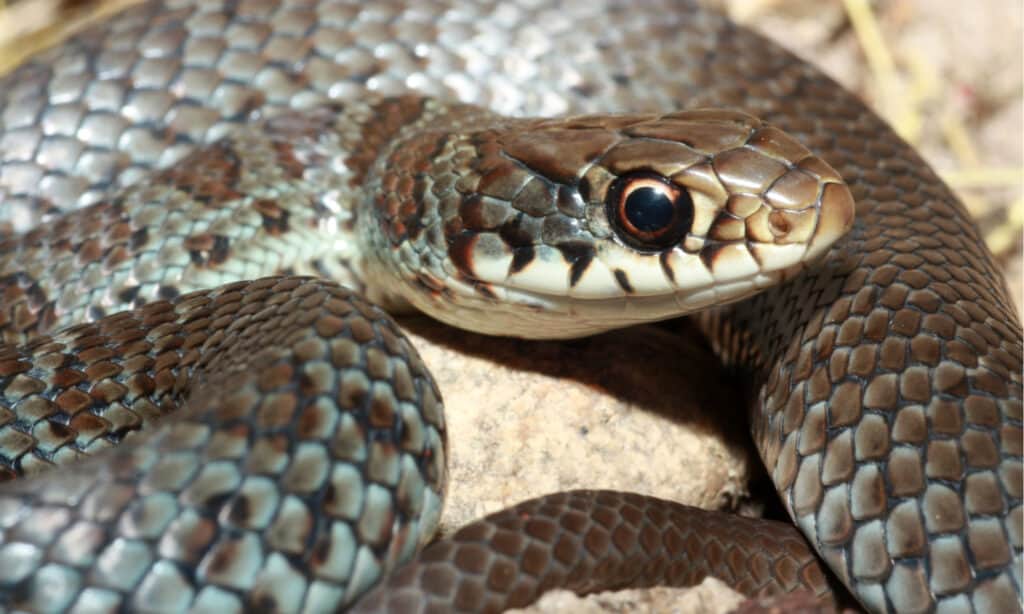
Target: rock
{"x":708,"y":597}
{"x":643,"y":409}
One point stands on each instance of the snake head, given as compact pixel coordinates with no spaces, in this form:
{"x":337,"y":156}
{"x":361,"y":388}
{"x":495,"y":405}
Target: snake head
{"x":561,"y":227}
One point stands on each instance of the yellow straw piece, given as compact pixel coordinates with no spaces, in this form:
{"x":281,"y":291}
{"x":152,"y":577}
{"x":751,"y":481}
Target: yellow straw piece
{"x":959,"y":141}
{"x":982,"y":177}
{"x":1006,"y":237}
{"x":903,"y":116}
{"x":29,"y":27}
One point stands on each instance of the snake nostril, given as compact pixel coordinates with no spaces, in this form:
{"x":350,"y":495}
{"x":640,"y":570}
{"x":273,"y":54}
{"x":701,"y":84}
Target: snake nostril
{"x":778,"y":224}
{"x":649,"y":212}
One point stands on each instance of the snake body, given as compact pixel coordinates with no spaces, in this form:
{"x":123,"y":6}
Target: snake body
{"x":885,"y":371}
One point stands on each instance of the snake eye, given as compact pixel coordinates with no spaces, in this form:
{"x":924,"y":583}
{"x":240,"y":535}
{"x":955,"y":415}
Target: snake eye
{"x":649,"y":212}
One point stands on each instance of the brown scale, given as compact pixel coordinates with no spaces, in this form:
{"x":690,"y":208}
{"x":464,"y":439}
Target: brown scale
{"x":275,"y":219}
{"x":211,"y":178}
{"x":390,"y":117}
{"x":639,"y":541}
{"x":401,"y":208}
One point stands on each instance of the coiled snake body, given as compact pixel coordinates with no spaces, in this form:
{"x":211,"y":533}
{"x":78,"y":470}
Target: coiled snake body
{"x":386,"y":147}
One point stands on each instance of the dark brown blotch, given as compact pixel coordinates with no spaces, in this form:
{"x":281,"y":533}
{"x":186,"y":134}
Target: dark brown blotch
{"x":578,"y":255}
{"x":139,"y":239}
{"x":521,"y":258}
{"x":36,"y":296}
{"x":460,"y":251}
{"x":13,"y":367}
{"x":710,"y":252}
{"x":287,"y":161}
{"x":224,"y":557}
{"x":515,"y":232}
{"x":472,"y":214}
{"x":168,"y":293}
{"x":208,"y":249}
{"x":322,"y":547}
{"x":584,"y":189}
{"x":239,"y":510}
{"x":275,"y":219}
{"x":89,"y":251}
{"x":666,"y":267}
{"x":623,"y":280}
{"x":129,"y":294}
{"x":209,"y":174}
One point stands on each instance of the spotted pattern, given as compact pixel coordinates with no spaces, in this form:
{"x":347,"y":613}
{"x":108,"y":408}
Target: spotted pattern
{"x":253,"y":495}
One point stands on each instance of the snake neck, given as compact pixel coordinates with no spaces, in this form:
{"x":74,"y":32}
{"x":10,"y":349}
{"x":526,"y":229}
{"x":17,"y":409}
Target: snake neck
{"x":283,"y":196}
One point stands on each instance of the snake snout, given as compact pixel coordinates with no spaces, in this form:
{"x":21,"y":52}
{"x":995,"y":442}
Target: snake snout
{"x":712,"y":206}
{"x":835,"y":218}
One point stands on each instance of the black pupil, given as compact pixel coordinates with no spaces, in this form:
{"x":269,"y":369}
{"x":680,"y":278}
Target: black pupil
{"x":648,"y":209}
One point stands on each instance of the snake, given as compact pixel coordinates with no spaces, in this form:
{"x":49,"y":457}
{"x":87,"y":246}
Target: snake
{"x":210,"y":208}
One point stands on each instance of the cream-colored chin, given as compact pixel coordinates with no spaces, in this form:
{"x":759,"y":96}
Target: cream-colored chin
{"x":521,"y":313}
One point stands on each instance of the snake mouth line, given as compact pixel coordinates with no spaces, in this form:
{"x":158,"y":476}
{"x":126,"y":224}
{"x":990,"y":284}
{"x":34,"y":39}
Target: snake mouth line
{"x":673,"y":272}
{"x":523,"y":312}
